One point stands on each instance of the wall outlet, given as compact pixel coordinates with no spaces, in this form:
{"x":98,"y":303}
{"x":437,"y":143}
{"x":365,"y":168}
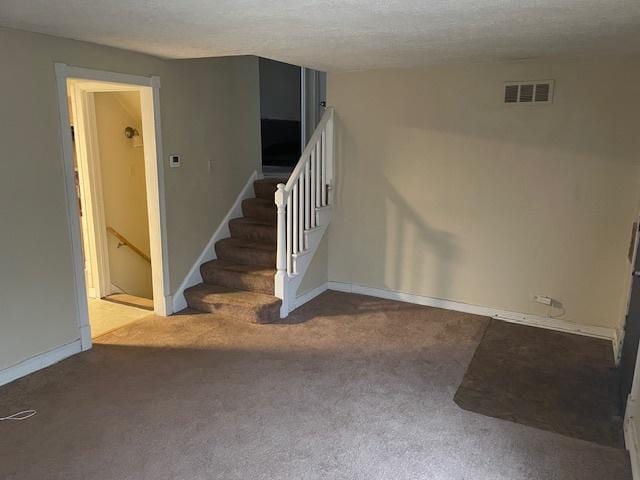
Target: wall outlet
{"x":174,"y":160}
{"x":543,"y":300}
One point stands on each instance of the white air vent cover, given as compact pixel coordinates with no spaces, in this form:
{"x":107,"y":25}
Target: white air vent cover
{"x":527,"y":93}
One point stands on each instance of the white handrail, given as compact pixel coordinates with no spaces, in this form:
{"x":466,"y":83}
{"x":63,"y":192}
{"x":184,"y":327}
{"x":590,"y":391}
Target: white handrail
{"x":328,"y":116}
{"x":307,"y":190}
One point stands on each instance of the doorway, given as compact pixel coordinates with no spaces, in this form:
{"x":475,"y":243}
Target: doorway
{"x":110,"y":180}
{"x":292,"y":102}
{"x":115,"y":196}
{"x":280,"y":116}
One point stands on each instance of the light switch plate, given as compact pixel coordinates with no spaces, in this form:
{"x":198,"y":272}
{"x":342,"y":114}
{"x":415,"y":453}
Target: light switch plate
{"x":174,"y":161}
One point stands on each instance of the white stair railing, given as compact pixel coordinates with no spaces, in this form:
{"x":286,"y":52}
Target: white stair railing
{"x":304,"y":210}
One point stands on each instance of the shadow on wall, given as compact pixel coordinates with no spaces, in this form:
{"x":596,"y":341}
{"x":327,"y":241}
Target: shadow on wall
{"x":400,"y":248}
{"x":422,"y":244}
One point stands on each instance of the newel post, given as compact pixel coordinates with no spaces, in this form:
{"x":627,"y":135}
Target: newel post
{"x":281,"y":260}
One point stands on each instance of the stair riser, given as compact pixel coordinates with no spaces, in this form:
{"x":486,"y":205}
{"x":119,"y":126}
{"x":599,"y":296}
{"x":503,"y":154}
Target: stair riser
{"x":265,"y":190}
{"x":257,"y":233}
{"x":252,"y":210}
{"x":239,"y":280}
{"x":237,"y":312}
{"x":245,"y":256}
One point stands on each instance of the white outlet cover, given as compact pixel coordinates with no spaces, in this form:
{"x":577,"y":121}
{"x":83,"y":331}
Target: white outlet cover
{"x":543,"y":300}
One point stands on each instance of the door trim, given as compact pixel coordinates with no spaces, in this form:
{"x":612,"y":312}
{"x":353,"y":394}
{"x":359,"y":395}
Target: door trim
{"x":89,"y":171}
{"x":303,"y":108}
{"x":627,"y":304}
{"x":149,"y":89}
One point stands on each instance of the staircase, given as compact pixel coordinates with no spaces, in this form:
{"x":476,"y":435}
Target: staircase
{"x":258,"y":270}
{"x":240,"y":282}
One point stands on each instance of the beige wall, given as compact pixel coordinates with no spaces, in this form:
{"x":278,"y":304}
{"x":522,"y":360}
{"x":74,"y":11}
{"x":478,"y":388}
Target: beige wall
{"x":317,"y":274}
{"x":124,"y":190}
{"x":210,"y":111}
{"x":444,"y":191}
{"x":225,"y":92}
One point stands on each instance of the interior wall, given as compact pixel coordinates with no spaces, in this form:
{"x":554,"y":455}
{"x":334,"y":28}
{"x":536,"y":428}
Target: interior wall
{"x":278,"y":100}
{"x":317,"y":274}
{"x":124,"y":190}
{"x":209,"y":114}
{"x":444,"y":191}
{"x":213,"y":120}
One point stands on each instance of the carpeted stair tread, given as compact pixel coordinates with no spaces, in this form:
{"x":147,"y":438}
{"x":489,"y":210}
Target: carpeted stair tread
{"x":234,"y":303}
{"x":260,"y":208}
{"x":266,"y":187}
{"x":254,"y":278}
{"x":240,"y":281}
{"x":253,"y":229}
{"x":246,"y":252}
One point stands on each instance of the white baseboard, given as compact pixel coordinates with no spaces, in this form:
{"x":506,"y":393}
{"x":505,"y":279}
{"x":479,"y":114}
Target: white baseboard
{"x":38,"y":362}
{"x":310,"y":295}
{"x":506,"y":315}
{"x":209,"y":252}
{"x":632,"y":444}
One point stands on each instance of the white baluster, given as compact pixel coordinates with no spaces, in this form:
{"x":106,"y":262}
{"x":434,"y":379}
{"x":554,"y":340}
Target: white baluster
{"x":294,"y":248}
{"x":323,"y":167}
{"x":317,"y":190}
{"x":289,"y":236}
{"x":301,"y":215}
{"x":307,"y":199}
{"x":281,"y":254}
{"x":312,"y":190}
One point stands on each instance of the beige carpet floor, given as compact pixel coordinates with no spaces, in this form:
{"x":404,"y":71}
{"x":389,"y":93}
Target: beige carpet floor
{"x":350,"y":387}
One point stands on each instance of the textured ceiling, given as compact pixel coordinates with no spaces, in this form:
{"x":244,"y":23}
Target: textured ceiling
{"x":341,"y":34}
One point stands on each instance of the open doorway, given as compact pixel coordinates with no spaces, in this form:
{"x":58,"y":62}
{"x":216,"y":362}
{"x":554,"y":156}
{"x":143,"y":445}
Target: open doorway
{"x":109,"y":163}
{"x":115,"y":196}
{"x":280,"y":116}
{"x":292,"y":102}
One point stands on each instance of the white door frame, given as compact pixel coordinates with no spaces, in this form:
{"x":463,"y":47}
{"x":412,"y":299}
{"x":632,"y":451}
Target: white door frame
{"x":149,"y":89}
{"x":310,"y":110}
{"x":635,"y":385}
{"x":94,"y":236}
{"x":303,"y":108}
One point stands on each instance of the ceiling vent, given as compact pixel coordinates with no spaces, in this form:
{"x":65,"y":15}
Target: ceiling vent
{"x":524,"y":93}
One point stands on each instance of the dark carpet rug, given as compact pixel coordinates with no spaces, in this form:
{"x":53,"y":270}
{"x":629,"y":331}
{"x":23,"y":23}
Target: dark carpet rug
{"x":554,"y":381}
